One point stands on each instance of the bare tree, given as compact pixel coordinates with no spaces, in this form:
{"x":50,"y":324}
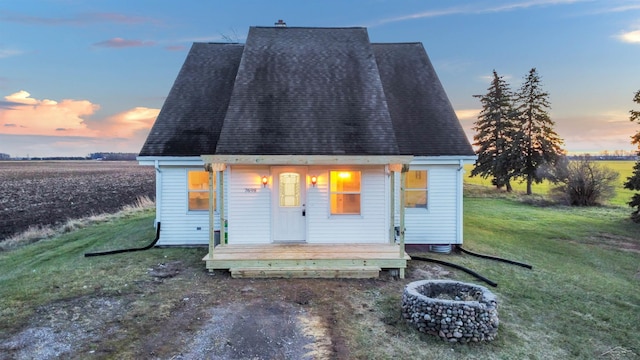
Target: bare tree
{"x":581,"y":182}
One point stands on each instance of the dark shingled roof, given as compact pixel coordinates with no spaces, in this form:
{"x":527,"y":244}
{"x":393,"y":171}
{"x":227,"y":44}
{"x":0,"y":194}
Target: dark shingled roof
{"x":190,"y":120}
{"x":307,"y":91}
{"x":423,"y":118}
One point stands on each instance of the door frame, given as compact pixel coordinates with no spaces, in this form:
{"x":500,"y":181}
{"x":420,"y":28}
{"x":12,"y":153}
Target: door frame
{"x":275,"y":199}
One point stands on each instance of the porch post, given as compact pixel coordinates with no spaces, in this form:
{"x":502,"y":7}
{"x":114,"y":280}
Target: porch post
{"x":219,"y":169}
{"x":392,"y":207}
{"x":221,"y":210}
{"x":403,"y":175}
{"x":209,"y":169}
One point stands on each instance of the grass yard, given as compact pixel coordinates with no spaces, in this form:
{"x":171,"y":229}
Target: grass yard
{"x":580,"y":301}
{"x":623,"y":196}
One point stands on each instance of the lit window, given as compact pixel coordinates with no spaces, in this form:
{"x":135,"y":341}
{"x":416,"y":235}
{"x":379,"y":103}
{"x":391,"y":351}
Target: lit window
{"x":198,"y":190}
{"x":289,"y":190}
{"x":345,"y":192}
{"x":416,"y":189}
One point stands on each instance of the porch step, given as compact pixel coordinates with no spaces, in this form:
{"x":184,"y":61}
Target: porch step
{"x":353,"y":272}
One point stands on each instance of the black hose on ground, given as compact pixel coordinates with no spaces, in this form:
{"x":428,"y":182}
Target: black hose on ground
{"x":494,"y":258}
{"x":111,"y":252}
{"x":456,"y":266}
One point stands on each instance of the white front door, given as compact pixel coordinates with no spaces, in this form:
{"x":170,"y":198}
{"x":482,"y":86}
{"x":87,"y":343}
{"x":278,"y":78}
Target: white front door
{"x":288,"y":203}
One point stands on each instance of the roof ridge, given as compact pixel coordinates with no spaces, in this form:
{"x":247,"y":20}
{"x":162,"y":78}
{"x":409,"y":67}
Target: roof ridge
{"x":309,"y":27}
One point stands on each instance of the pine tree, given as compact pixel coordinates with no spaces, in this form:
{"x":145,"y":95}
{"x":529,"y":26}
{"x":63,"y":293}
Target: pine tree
{"x":536,"y":142}
{"x":633,"y":182}
{"x":495,"y":131}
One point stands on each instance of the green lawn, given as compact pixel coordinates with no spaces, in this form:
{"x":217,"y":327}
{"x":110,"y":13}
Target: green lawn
{"x":580,"y":301}
{"x":623,"y":196}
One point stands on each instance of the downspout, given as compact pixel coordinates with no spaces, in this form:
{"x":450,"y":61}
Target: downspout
{"x":459,"y":202}
{"x":158,"y":192}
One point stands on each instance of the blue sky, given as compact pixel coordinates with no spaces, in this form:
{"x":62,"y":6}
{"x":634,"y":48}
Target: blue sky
{"x":85,"y":76}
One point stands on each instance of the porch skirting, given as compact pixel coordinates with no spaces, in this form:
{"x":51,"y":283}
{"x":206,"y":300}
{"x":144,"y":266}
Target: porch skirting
{"x":307,"y":260}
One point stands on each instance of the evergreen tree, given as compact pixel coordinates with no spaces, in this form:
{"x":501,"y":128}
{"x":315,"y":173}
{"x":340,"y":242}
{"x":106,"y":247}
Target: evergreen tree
{"x":633,"y":182}
{"x":536,"y":143}
{"x":495,"y":131}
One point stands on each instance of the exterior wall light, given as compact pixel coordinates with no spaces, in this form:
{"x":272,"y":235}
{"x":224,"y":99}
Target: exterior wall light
{"x":314,"y":181}
{"x":265,"y":181}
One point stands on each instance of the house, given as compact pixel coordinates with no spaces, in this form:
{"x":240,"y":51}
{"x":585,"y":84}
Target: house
{"x":304,"y":152}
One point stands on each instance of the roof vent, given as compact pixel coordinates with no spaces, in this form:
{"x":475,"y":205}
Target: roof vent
{"x":280,"y":23}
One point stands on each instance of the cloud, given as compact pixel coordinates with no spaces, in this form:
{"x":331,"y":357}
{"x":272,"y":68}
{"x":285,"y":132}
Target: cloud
{"x":175,"y":47}
{"x":76,"y":20}
{"x":61,"y":145}
{"x":610,"y":130}
{"x":632,"y":37}
{"x":123,"y":43}
{"x":622,"y":8}
{"x":70,"y":122}
{"x":489,"y":78}
{"x":476,"y":9}
{"x":605,"y":131}
{"x":126,"y":124}
{"x":43,"y":117}
{"x":5,"y":53}
{"x":468,"y":114}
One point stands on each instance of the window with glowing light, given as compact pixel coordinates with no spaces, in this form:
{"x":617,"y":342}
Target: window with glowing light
{"x":345,"y":191}
{"x":416,"y":188}
{"x":198,"y":190}
{"x":289,"y":190}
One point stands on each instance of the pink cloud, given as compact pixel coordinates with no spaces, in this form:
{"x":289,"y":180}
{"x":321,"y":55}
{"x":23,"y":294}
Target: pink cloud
{"x":68,"y":127}
{"x":126,"y":124}
{"x":77,"y":20}
{"x":175,"y":47}
{"x":42,"y":117}
{"x":68,"y":117}
{"x":123,"y":43}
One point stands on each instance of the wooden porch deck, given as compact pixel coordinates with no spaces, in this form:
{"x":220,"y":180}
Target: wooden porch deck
{"x":307,"y":260}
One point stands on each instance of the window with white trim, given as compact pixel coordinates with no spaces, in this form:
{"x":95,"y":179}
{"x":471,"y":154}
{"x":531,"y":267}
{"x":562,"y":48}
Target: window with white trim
{"x":345,"y":189}
{"x":416,"y":189}
{"x":198,"y":190}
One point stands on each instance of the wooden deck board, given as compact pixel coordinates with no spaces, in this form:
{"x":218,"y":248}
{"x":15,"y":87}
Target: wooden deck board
{"x":306,"y":251}
{"x":308,"y":260}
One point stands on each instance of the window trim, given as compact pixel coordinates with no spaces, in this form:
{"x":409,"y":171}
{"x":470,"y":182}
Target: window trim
{"x":426,"y":189}
{"x":188,"y":191}
{"x":331,"y":193}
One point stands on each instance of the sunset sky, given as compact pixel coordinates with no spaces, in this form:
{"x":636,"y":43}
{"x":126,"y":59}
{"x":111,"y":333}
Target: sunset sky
{"x":91,"y":76}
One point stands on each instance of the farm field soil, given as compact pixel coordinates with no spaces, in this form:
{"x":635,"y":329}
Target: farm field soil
{"x":42,"y":193}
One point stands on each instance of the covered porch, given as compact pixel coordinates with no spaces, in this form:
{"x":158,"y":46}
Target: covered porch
{"x":307,"y":260}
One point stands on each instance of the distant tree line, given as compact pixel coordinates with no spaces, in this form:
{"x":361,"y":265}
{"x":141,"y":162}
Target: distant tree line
{"x":106,"y":156}
{"x":113,"y":156}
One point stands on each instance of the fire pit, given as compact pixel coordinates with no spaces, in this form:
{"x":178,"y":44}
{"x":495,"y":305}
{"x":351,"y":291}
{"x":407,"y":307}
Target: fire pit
{"x":452,"y":310}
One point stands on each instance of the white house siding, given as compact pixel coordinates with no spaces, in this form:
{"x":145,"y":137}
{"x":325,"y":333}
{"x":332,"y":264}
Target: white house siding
{"x":179,"y":226}
{"x":439,"y":224}
{"x":249,"y":205}
{"x":371,"y":226}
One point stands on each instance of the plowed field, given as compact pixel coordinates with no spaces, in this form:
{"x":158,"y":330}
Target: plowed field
{"x":44,"y":193}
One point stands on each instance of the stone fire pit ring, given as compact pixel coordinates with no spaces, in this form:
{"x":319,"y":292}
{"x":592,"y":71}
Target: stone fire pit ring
{"x":452,"y":310}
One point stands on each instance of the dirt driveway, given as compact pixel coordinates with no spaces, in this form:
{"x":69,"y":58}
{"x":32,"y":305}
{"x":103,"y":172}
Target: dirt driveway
{"x":181,"y":312}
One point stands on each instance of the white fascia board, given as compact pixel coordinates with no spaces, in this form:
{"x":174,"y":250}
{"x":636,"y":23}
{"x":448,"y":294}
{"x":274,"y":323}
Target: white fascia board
{"x":170,"y":160}
{"x":443,"y":160}
{"x":308,"y":159}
